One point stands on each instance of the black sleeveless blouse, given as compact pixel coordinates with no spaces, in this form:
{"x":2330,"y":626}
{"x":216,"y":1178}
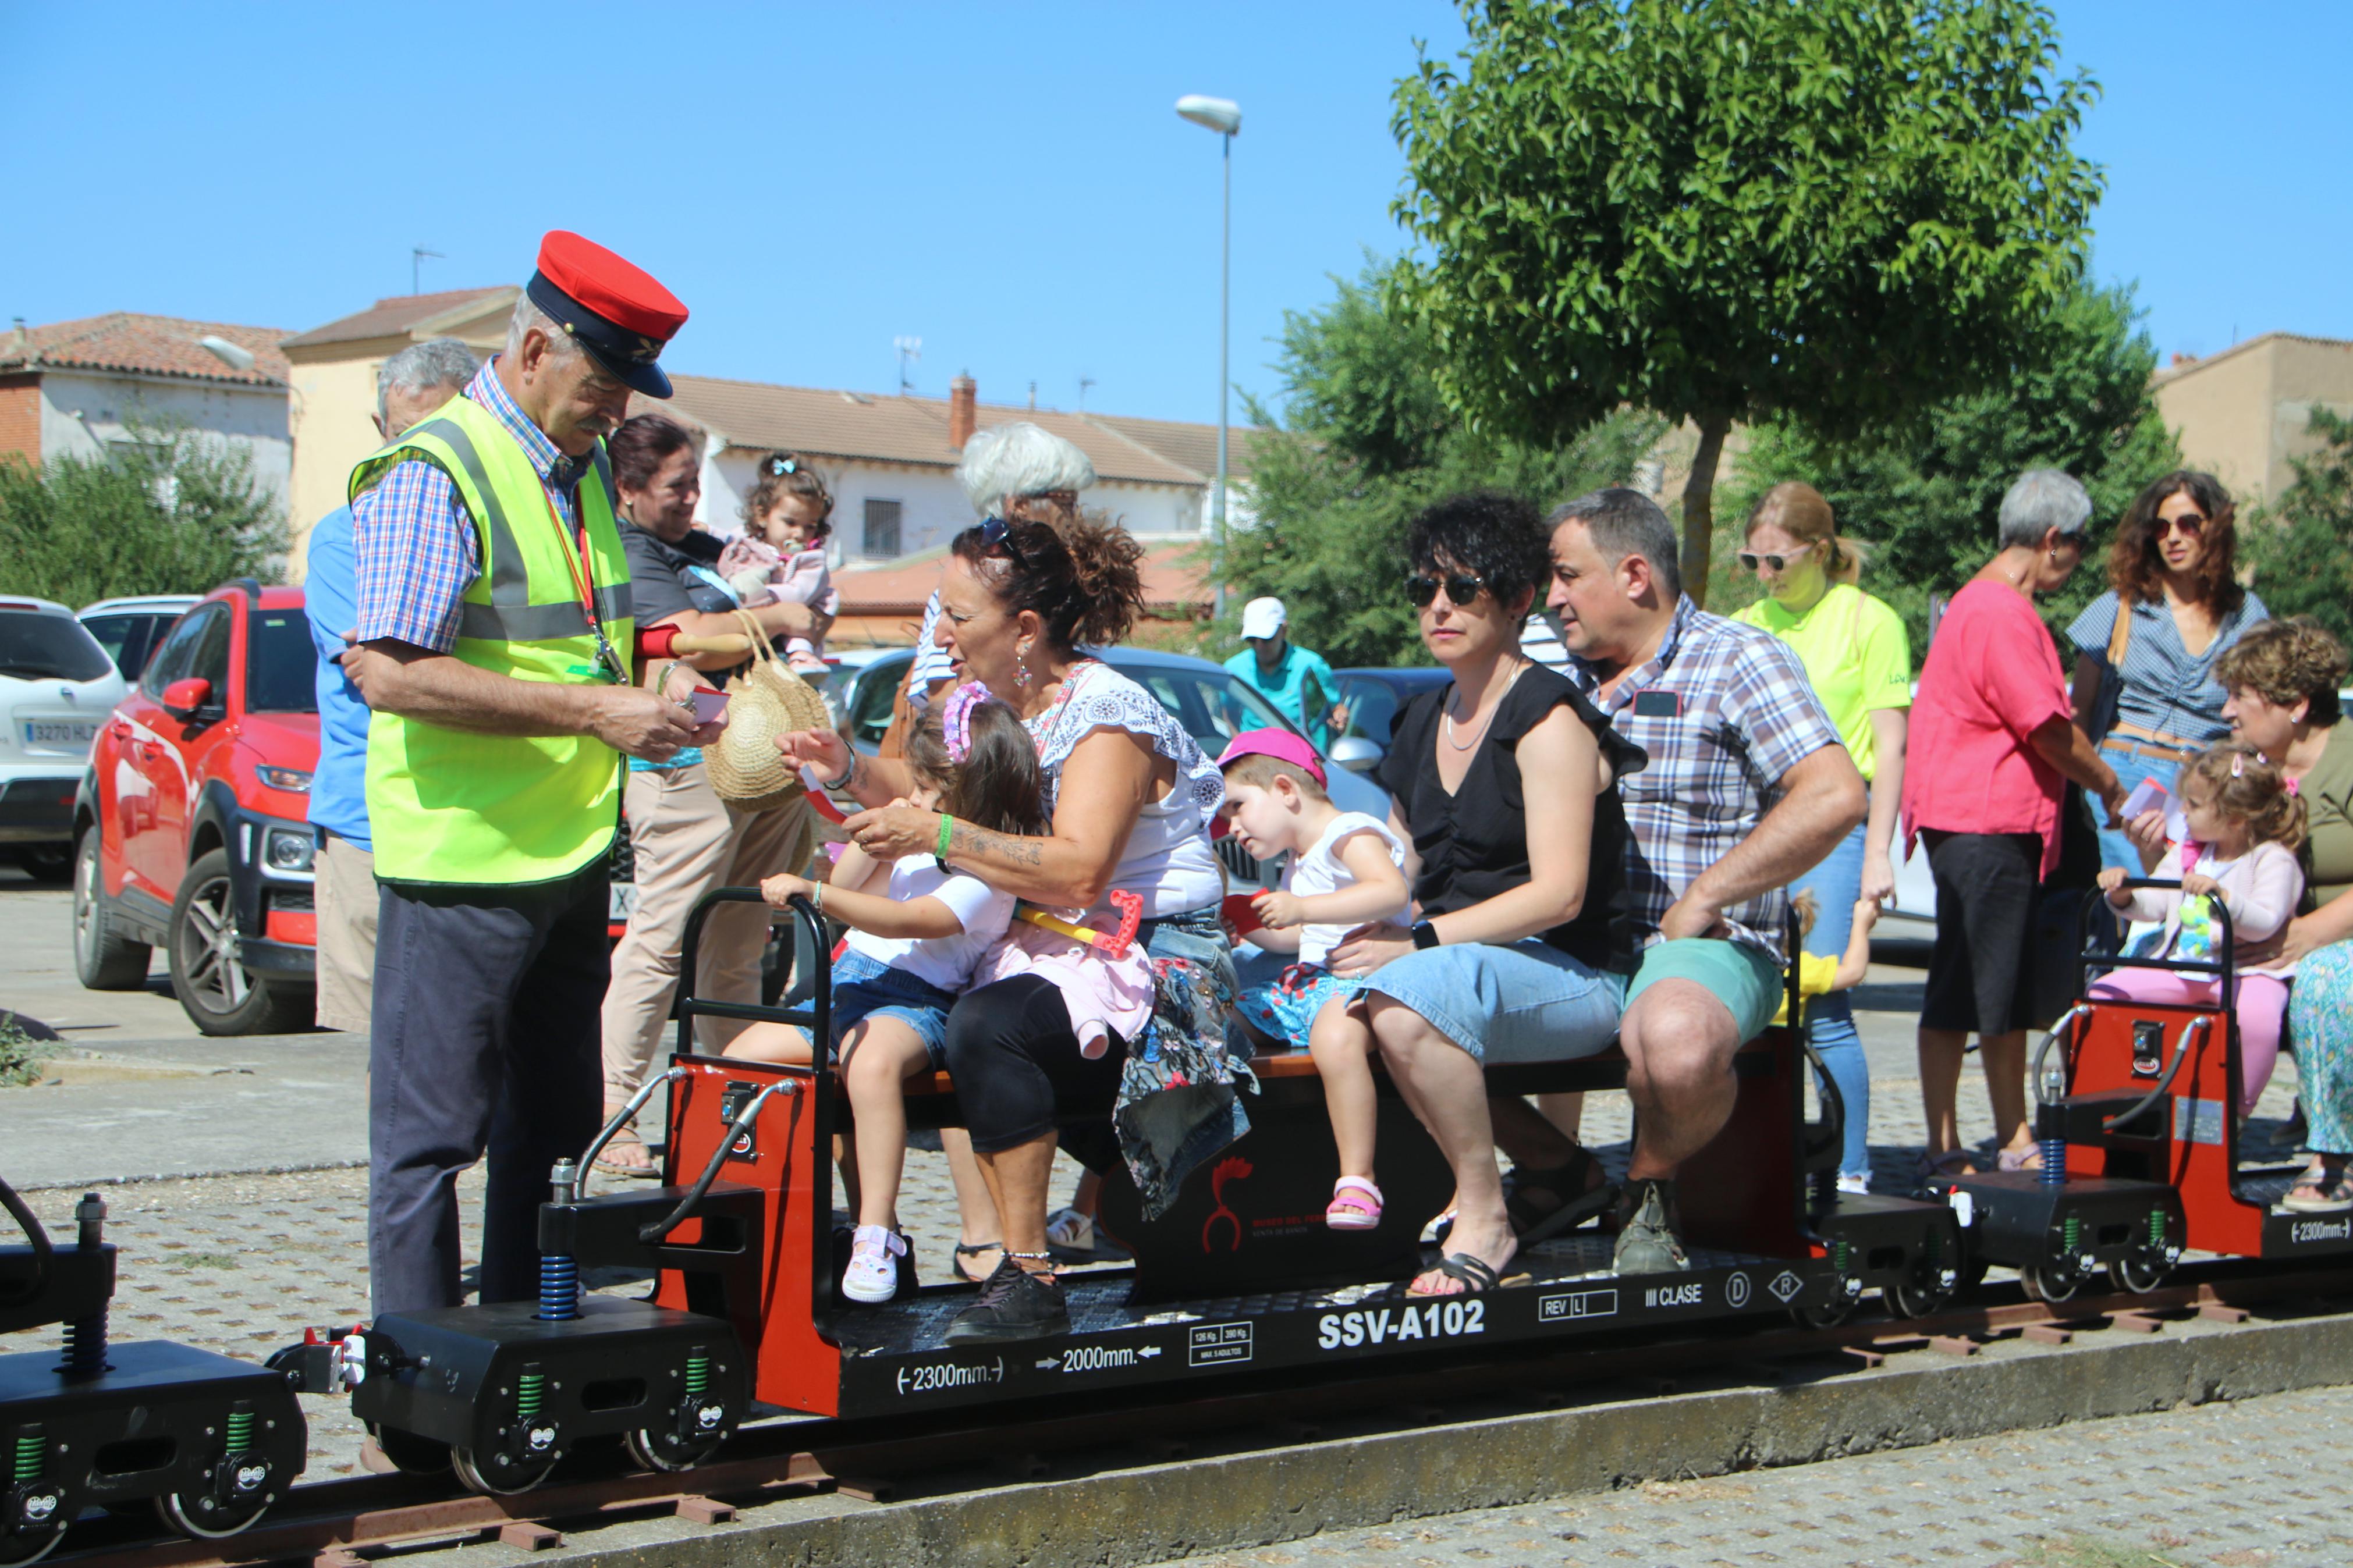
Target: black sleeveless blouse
{"x":1473,"y":844}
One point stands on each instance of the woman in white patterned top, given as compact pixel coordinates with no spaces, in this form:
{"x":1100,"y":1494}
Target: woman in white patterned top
{"x":1132,"y":798}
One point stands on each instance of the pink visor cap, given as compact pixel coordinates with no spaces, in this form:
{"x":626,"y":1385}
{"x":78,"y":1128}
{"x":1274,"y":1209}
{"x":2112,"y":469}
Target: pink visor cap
{"x":1282,"y":745}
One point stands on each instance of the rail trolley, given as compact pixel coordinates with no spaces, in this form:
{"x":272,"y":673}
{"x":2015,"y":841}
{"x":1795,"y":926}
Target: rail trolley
{"x":2137,"y":1116}
{"x":209,"y":1441}
{"x":1240,"y":1276}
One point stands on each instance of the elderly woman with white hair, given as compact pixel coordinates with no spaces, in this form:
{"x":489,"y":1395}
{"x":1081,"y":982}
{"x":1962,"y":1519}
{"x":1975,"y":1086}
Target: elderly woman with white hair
{"x":1130,"y":799}
{"x":1994,"y":720}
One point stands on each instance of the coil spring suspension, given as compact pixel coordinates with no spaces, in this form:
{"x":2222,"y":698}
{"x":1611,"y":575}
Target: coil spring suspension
{"x":2157,"y":1227}
{"x":2071,"y":1237}
{"x":559,"y":1290}
{"x":85,"y":1346}
{"x":698,"y":1374}
{"x":2055,"y":1161}
{"x":531,"y":1388}
{"x":239,"y":1428}
{"x":32,"y":1451}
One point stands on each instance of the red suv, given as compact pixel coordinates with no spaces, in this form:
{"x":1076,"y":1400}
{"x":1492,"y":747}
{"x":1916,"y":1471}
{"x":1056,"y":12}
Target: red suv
{"x":189,"y":830}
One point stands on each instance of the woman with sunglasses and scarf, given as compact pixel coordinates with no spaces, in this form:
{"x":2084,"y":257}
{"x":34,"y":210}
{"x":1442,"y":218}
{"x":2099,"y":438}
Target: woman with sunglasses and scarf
{"x":1502,"y":781}
{"x":1855,"y":654}
{"x":1131,"y":798}
{"x":2144,"y":685}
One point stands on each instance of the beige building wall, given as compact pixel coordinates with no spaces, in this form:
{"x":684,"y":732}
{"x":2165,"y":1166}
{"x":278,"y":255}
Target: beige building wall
{"x":332,"y":405}
{"x":2241,"y":415}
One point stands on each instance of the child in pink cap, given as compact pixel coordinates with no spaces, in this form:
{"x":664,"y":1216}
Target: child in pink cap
{"x":1346,"y":869}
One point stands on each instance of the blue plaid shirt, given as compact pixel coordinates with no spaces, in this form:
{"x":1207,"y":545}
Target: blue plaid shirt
{"x":1730,"y":712}
{"x":415,"y":552}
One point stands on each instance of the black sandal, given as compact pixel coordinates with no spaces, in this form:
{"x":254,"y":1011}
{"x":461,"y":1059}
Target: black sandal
{"x":1477,"y":1275}
{"x":975,"y":1250}
{"x":1574,"y":1203}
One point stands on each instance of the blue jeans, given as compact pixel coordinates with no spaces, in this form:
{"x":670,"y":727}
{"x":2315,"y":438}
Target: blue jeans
{"x":2115,"y":849}
{"x":1836,"y":884}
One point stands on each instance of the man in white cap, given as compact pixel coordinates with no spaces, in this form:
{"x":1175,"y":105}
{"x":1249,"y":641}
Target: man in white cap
{"x":1297,"y":682}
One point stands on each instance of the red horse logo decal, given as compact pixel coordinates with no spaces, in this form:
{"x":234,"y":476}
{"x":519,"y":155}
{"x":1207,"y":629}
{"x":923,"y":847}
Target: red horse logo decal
{"x":1232,"y":1170}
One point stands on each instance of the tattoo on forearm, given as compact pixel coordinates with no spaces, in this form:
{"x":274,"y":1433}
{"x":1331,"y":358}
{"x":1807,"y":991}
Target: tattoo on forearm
{"x":1005,"y":846}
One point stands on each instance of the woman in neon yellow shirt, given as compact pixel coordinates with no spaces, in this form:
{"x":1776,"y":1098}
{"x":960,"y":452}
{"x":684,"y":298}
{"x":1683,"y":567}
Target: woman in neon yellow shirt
{"x":1855,"y":653}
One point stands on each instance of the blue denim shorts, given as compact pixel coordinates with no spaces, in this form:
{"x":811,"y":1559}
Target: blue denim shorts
{"x":866,"y":988}
{"x":1525,"y":1002}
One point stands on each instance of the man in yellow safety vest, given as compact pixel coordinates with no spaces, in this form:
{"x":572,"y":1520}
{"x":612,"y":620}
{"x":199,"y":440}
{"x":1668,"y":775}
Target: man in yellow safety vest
{"x":495,"y":649}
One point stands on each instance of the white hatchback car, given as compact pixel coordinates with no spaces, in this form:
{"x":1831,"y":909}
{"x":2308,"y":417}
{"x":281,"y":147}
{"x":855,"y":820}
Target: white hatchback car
{"x":56,"y":686}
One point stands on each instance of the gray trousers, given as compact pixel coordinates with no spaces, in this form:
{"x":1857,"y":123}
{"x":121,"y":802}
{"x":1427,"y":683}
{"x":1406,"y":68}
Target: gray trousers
{"x":485,"y":1036}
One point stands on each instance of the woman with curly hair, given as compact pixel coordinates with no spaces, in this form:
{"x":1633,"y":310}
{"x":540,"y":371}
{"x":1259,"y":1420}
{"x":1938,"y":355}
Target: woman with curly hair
{"x":1130,"y":799}
{"x":2282,"y":677}
{"x":2145,"y":690}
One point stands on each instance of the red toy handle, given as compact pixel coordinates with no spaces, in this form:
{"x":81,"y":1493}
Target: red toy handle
{"x":1131,"y":915}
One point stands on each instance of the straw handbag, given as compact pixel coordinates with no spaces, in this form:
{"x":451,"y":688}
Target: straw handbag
{"x":764,"y":702}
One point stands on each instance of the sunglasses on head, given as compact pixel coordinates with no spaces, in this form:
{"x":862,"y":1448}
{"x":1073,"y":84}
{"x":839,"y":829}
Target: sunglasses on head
{"x":1461,"y":589}
{"x":995,"y":534}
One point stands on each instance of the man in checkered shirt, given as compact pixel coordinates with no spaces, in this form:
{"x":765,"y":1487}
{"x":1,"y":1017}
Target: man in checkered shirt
{"x":1747,"y":788}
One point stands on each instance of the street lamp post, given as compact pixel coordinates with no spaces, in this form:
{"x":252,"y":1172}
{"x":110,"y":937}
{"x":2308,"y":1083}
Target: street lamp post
{"x":1223,"y":116}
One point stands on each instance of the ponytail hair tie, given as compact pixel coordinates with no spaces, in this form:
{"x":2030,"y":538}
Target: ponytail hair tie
{"x":955,"y":718}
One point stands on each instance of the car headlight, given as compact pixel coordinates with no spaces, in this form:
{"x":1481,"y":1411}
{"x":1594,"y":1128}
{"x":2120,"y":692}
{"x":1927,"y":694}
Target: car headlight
{"x":287,"y":850}
{"x":293,"y":779}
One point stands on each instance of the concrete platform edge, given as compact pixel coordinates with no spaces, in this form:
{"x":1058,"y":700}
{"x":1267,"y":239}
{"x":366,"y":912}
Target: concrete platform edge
{"x":1150,"y":1513}
{"x":289,"y":1170}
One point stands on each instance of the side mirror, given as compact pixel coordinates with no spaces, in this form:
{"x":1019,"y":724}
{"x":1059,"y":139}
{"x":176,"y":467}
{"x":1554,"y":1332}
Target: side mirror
{"x":1356,"y":754}
{"x":183,"y":698}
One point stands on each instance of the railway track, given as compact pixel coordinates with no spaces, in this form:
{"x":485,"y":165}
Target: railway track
{"x":338,"y":1524}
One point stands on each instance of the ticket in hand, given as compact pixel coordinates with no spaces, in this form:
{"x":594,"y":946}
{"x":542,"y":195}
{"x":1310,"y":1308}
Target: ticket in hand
{"x":2147,"y":795}
{"x":710,"y":707}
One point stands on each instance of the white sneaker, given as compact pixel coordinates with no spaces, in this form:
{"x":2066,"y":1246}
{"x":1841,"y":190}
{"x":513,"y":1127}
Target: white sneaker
{"x":1853,"y":1183}
{"x":873,"y":1273}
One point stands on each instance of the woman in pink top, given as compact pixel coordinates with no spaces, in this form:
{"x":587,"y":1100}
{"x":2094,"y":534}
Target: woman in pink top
{"x":1993,"y":727}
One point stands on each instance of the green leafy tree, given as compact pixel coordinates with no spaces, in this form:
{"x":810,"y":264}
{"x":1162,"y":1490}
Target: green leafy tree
{"x":175,"y":513}
{"x":1730,"y":211}
{"x":1925,"y":495}
{"x":2303,"y":551}
{"x":1365,"y":442}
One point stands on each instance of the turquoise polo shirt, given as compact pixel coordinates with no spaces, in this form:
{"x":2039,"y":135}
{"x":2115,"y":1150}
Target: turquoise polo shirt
{"x":1286,"y":686}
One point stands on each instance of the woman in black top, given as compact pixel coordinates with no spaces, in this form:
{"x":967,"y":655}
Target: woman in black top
{"x":1502,"y":784}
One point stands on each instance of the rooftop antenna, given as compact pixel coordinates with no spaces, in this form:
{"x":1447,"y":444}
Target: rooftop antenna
{"x":418,"y":257}
{"x":1084,"y":381}
{"x":1033,"y":385}
{"x":910,"y":351}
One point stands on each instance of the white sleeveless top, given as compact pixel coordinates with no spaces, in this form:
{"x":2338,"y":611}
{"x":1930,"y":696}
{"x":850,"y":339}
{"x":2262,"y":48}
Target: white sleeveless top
{"x":1167,"y":861}
{"x":1321,"y":871}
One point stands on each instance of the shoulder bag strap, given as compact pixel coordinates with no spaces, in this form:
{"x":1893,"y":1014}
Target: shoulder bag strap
{"x":2120,"y":639}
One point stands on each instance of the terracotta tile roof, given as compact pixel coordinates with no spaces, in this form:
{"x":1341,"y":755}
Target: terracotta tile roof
{"x":146,"y":345}
{"x":1170,"y":583}
{"x":397,"y":316}
{"x":1194,"y":447}
{"x":875,"y":427}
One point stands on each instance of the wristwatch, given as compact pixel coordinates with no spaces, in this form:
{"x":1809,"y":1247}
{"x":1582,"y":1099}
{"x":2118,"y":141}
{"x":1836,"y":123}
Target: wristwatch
{"x":1425,"y":936}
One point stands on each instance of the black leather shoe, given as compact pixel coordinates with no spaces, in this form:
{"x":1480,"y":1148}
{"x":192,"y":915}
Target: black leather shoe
{"x":1014,"y":1304}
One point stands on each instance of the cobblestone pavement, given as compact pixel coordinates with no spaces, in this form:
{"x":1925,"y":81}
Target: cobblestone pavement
{"x":2230,"y":1485}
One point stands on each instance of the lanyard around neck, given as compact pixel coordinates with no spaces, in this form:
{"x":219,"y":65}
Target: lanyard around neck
{"x":581,"y":568}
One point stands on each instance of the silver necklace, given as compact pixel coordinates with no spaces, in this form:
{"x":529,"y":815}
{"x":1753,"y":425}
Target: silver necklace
{"x":1451,"y":727}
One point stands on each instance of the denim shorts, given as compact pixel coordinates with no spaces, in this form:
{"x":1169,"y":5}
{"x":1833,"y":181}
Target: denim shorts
{"x":1525,"y":1003}
{"x":866,"y":988}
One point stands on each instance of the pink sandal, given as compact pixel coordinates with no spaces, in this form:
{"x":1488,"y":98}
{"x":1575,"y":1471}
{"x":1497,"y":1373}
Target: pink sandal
{"x":1356,"y":1205}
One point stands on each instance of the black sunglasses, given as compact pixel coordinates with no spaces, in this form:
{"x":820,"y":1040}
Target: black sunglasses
{"x":995,"y":533}
{"x":1460,"y":590}
{"x":1778,"y":563}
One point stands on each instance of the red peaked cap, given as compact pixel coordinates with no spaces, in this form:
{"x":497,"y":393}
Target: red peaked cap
{"x":622,"y":292}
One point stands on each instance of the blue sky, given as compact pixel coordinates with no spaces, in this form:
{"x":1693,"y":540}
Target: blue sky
{"x":1007,"y":183}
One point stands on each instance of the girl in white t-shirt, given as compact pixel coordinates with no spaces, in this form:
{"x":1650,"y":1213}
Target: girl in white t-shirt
{"x":1348,"y":870}
{"x":914,"y":938}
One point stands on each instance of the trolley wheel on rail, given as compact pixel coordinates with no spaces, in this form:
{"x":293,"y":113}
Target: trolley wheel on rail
{"x":1916,"y":1299}
{"x":203,"y":1518}
{"x":511,"y":1478}
{"x":2136,"y":1278}
{"x":408,"y":1453}
{"x":662,"y":1451}
{"x":2045,"y":1285}
{"x":1829,"y":1316}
